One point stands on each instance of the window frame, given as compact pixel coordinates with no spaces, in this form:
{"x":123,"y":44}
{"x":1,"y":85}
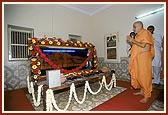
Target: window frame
{"x":11,"y":28}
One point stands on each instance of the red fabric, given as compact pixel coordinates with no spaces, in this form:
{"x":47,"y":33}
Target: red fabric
{"x":16,"y":100}
{"x":126,"y":101}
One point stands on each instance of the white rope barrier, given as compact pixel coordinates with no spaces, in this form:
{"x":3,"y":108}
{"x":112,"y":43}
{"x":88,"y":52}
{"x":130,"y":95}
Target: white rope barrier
{"x":51,"y":100}
{"x":28,"y":85}
{"x":90,"y":90}
{"x":31,"y":91}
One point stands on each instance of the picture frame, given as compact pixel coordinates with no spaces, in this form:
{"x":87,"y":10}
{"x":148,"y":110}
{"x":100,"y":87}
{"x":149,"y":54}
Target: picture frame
{"x":111,"y":48}
{"x":74,"y":38}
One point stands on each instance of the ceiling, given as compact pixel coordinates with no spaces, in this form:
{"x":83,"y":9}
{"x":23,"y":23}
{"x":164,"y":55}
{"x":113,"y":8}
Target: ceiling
{"x":89,"y":9}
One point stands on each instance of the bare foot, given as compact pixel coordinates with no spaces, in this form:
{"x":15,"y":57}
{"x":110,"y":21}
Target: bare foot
{"x":144,"y":100}
{"x":138,"y":93}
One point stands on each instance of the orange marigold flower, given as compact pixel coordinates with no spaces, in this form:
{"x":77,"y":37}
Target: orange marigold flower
{"x":33,"y":63}
{"x":80,"y":45}
{"x":39,"y":72}
{"x":56,"y":40}
{"x":85,"y":45}
{"x":33,"y":41}
{"x":50,"y":42}
{"x":33,"y":59}
{"x":78,"y":42}
{"x":29,"y":38}
{"x":75,"y":44}
{"x":66,"y":75}
{"x":37,"y":54}
{"x":35,"y":76}
{"x":34,"y":66}
{"x":95,"y":61}
{"x":30,"y":48}
{"x":58,"y":43}
{"x":35,"y":71}
{"x":38,"y":63}
{"x":43,"y":42}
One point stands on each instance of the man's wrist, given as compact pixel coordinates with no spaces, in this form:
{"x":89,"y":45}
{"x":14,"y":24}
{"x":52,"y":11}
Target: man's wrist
{"x":132,"y":41}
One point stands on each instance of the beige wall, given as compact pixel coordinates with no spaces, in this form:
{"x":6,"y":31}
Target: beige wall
{"x":119,"y":18}
{"x":53,"y":20}
{"x":56,"y":20}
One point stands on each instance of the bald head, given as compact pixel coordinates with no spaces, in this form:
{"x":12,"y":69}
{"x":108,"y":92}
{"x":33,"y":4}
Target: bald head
{"x":139,"y":22}
{"x":137,"y":26}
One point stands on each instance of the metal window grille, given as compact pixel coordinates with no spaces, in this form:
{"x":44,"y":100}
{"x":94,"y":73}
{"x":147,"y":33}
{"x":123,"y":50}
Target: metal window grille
{"x":18,"y":46}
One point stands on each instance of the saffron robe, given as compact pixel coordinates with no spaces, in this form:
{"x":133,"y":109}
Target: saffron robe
{"x":140,"y":66}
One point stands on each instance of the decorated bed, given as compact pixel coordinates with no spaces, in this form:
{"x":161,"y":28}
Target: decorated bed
{"x":75,"y":60}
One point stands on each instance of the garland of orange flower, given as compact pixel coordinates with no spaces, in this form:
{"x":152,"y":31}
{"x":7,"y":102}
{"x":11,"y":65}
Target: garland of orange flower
{"x":36,"y":54}
{"x":54,"y":66}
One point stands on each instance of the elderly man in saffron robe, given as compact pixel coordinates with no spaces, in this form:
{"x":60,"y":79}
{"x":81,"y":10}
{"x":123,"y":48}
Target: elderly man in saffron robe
{"x":140,"y":66}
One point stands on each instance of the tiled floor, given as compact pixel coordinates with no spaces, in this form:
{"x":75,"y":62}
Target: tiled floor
{"x":158,"y":104}
{"x":91,"y":101}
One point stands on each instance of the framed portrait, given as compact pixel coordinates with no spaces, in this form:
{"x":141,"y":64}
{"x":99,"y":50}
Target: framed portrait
{"x":75,"y":38}
{"x":111,"y":47}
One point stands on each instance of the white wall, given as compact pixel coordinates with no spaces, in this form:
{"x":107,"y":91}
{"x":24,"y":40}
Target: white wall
{"x":119,"y":18}
{"x":157,"y":20}
{"x":52,"y":20}
{"x":56,"y":20}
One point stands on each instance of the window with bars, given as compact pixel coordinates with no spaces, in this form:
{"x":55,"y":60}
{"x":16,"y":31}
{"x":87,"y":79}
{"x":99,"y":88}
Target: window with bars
{"x":18,"y":46}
